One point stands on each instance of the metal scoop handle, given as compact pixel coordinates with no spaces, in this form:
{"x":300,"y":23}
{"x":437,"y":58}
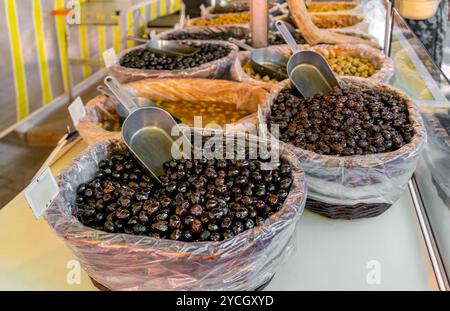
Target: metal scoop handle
{"x":122,"y":96}
{"x":287,"y":36}
{"x":241,"y":44}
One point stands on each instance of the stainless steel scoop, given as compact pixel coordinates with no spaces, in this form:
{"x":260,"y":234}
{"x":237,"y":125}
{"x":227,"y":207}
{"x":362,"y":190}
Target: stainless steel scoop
{"x":147,"y":132}
{"x":308,"y":70}
{"x":265,"y":61}
{"x":166,"y":47}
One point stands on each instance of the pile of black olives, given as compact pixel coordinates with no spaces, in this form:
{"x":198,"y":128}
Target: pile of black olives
{"x":199,"y":200}
{"x":349,"y":121}
{"x":144,"y":58}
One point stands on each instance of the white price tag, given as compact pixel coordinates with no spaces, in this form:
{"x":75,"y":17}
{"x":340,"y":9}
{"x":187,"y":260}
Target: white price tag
{"x":110,"y":58}
{"x":76,"y":110}
{"x":41,"y":193}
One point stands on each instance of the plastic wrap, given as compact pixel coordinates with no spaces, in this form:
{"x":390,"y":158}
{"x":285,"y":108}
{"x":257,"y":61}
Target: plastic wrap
{"x":384,"y":66}
{"x":351,"y":180}
{"x":438,"y":149}
{"x":129,"y":262}
{"x":240,"y":95}
{"x":211,"y":70}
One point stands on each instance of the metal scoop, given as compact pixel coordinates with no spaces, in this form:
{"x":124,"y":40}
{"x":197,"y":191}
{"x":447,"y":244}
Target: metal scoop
{"x":265,"y":61}
{"x":308,"y":70}
{"x":147,"y":132}
{"x":166,"y":47}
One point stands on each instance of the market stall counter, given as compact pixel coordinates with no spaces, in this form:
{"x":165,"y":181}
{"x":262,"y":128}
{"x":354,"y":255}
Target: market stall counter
{"x":382,"y":253}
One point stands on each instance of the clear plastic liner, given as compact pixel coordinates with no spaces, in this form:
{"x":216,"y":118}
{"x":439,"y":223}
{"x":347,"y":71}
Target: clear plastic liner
{"x":350,"y":180}
{"x":438,"y":150}
{"x":129,"y":262}
{"x":211,"y":70}
{"x":240,"y":96}
{"x":384,"y":66}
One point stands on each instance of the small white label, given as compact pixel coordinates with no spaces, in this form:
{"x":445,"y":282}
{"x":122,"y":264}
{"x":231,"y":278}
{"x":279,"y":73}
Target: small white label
{"x":41,"y":193}
{"x":110,"y":58}
{"x":76,"y":110}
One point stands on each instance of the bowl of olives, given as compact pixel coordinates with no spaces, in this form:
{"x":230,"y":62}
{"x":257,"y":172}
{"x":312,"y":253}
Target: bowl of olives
{"x":212,"y":224}
{"x":221,"y":19}
{"x":359,"y":145}
{"x":356,"y":60}
{"x":339,"y":20}
{"x":437,"y":121}
{"x":332,"y":6}
{"x":224,"y":32}
{"x":344,"y":60}
{"x":211,"y":61}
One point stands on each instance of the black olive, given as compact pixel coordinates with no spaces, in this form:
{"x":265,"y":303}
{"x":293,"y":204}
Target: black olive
{"x":123,"y":214}
{"x":160,"y":226}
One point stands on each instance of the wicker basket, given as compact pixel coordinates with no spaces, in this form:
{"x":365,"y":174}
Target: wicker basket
{"x":129,"y":262}
{"x":359,"y":186}
{"x":384,"y":66}
{"x":438,"y":152}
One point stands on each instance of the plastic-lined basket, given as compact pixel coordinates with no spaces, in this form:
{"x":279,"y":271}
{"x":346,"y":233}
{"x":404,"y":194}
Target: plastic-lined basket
{"x":239,"y":96}
{"x":129,"y":262}
{"x":384,"y":66}
{"x":438,"y":151}
{"x":352,"y":187}
{"x":211,"y":70}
